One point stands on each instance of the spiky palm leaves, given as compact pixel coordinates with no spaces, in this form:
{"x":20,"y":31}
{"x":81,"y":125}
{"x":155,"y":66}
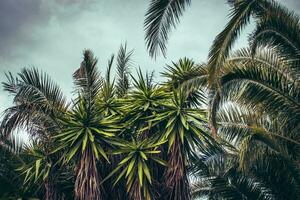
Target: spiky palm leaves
{"x":184,"y":131}
{"x":135,"y":167}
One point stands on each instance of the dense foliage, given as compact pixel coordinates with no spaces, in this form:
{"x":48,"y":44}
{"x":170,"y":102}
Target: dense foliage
{"x":224,"y":129}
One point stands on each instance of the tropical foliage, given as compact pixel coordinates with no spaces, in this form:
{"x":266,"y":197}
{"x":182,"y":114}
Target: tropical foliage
{"x":227,"y":128}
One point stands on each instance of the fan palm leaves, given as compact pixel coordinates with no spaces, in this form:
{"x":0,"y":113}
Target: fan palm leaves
{"x":162,"y":15}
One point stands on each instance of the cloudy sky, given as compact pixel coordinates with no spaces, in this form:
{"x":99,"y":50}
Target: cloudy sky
{"x":51,"y":34}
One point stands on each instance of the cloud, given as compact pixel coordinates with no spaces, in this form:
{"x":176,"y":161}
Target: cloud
{"x":51,"y":34}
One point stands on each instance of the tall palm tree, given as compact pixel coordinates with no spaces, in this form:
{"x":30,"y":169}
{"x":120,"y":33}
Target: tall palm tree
{"x":263,"y":83}
{"x":85,"y":134}
{"x":38,"y":103}
{"x":185,"y":132}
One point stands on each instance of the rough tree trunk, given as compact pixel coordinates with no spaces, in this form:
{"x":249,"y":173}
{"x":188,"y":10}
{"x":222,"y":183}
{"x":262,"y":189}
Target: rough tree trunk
{"x":87,"y":180}
{"x":176,"y":177}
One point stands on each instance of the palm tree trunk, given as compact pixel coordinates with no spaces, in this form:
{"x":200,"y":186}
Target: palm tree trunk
{"x":87,"y":179}
{"x":135,"y":193}
{"x":47,"y":188}
{"x":51,"y":193}
{"x":176,"y":177}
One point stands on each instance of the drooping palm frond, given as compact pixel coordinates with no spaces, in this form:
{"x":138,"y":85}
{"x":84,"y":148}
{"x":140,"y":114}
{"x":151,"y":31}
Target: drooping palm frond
{"x":268,"y":77}
{"x":267,"y":56}
{"x":161,"y":16}
{"x":280,"y":28}
{"x":123,"y":70}
{"x":240,"y":16}
{"x":36,"y":96}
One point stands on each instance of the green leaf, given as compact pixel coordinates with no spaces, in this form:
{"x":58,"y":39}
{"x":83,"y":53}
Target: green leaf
{"x":125,"y":160}
{"x":111,"y":174}
{"x":91,"y":136}
{"x":102,"y":132}
{"x":84,"y":142}
{"x":73,"y":151}
{"x":146,"y":106}
{"x":143,"y":155}
{"x":171,"y":140}
{"x":102,"y":152}
{"x":130,"y":166}
{"x":152,"y":152}
{"x":95,"y":150}
{"x":140,"y":172}
{"x":37,"y":167}
{"x":160,"y":161}
{"x":47,"y":172}
{"x":184,"y":121}
{"x":170,"y":121}
{"x":181,"y":134}
{"x":120,"y":176}
{"x":147,"y":172}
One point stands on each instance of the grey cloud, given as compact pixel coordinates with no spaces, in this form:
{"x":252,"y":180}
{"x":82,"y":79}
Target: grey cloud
{"x":51,"y":34}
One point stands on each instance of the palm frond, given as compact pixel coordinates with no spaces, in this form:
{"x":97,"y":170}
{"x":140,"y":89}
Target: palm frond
{"x":35,"y":95}
{"x":123,"y":70}
{"x":87,"y":79}
{"x":161,"y":16}
{"x":240,"y":16}
{"x":280,"y":28}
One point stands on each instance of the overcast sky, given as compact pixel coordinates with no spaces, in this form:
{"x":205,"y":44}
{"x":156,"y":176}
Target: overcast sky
{"x":51,"y":34}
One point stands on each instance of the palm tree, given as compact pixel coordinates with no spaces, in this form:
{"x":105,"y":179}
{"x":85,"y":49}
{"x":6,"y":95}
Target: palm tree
{"x":38,"y":103}
{"x":85,"y":133}
{"x":164,"y":14}
{"x":185,"y":132}
{"x":262,"y":84}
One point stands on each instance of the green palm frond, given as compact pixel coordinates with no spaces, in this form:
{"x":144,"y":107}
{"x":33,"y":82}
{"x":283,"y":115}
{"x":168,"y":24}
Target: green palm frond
{"x":108,"y":70}
{"x":258,"y":83}
{"x":37,"y":165}
{"x":190,"y":77}
{"x":223,"y":43}
{"x":123,"y":70}
{"x":185,"y":73}
{"x":36,"y":97}
{"x":161,"y":16}
{"x":280,"y":28}
{"x":87,"y":79}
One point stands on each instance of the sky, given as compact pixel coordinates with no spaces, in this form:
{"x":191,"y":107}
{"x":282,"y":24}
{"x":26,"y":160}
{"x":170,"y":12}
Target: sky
{"x":52,"y":34}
